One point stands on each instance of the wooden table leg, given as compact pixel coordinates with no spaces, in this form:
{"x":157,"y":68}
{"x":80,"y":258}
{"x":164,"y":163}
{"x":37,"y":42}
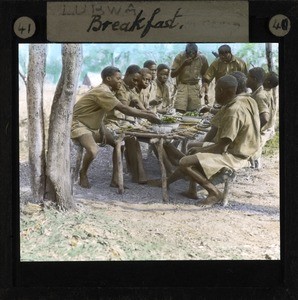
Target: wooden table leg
{"x":165,"y":196}
{"x":119,"y":166}
{"x":184,"y":146}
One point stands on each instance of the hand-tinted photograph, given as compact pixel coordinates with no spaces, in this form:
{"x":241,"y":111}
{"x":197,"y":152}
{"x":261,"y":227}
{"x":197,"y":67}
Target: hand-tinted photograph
{"x":133,"y":152}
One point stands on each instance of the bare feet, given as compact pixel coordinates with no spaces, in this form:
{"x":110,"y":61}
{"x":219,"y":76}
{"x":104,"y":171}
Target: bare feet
{"x":84,"y":182}
{"x":190,"y":195}
{"x":116,"y":185}
{"x":211,"y":200}
{"x":142,"y":181}
{"x":138,"y":180}
{"x":154,"y":182}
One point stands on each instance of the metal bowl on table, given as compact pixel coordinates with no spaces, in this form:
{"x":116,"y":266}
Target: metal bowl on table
{"x":165,"y":128}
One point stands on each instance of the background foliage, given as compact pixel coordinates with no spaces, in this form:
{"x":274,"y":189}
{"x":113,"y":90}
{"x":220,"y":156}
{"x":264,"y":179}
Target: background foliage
{"x":98,"y":56}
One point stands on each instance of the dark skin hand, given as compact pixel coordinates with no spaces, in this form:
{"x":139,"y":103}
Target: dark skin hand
{"x":155,"y":101}
{"x":194,"y":147}
{"x":138,"y":104}
{"x":185,"y":63}
{"x":150,"y":116}
{"x":218,"y":148}
{"x":264,"y":118}
{"x":205,"y":109}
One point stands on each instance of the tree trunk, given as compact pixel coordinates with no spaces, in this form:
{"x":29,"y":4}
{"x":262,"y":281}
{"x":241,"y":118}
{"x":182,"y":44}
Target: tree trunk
{"x":270,"y":69}
{"x":269,"y":56}
{"x":58,"y":158}
{"x":36,"y":137}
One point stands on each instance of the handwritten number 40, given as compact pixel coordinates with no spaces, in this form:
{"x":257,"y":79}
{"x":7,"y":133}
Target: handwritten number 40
{"x":281,"y":25}
{"x":22,"y":28}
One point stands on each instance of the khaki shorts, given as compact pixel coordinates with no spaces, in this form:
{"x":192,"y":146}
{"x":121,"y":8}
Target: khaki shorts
{"x":265,"y":137}
{"x":213,"y":163}
{"x":187,"y":97}
{"x":78,"y":129}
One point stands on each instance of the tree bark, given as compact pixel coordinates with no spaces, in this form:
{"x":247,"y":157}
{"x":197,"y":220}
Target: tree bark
{"x":271,"y":69}
{"x":165,"y":195}
{"x":36,"y":136}
{"x":119,"y":166}
{"x":58,"y":158}
{"x":269,"y":56}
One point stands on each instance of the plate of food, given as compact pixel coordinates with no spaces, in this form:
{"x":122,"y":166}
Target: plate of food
{"x":191,"y":117}
{"x":168,"y":123}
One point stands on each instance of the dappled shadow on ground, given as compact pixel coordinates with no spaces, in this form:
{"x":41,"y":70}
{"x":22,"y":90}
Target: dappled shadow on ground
{"x":250,"y":192}
{"x":137,"y":225}
{"x":247,"y":193}
{"x":182,"y":206}
{"x":252,"y":208}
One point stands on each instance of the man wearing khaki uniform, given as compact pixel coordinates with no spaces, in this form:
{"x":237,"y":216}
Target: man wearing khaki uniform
{"x":149,"y":93}
{"x":237,"y":139}
{"x":188,"y":68}
{"x":127,"y":95}
{"x":225,"y":64}
{"x":266,"y":105}
{"x":89,"y":112}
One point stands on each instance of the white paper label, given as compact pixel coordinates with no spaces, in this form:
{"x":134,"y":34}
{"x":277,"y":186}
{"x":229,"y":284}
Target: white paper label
{"x":148,"y":21}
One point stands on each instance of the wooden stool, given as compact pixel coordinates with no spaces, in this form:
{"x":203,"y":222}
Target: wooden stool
{"x":226,"y":176}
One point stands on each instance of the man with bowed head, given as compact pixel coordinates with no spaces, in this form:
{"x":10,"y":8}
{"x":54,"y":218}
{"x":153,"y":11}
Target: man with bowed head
{"x":188,"y":68}
{"x":237,"y":139}
{"x":225,"y":64}
{"x":266,"y":104}
{"x":89,"y":112}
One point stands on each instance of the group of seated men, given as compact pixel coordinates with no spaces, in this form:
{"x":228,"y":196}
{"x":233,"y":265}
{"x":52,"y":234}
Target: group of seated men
{"x":241,"y":125}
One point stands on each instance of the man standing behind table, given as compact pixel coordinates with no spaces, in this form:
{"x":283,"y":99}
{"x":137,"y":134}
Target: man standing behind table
{"x":89,"y":112}
{"x":225,"y":64}
{"x":188,"y":68}
{"x":236,"y":140}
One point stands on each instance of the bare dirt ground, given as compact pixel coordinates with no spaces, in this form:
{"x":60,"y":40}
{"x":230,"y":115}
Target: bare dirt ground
{"x":138,"y":226}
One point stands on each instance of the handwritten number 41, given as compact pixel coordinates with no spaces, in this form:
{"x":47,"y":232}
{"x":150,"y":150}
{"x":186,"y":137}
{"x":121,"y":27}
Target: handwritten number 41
{"x":22,"y":28}
{"x":281,"y":25}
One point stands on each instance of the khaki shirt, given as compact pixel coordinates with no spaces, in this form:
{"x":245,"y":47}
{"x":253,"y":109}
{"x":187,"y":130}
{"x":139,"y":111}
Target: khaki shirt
{"x":148,"y":94}
{"x":215,"y":121}
{"x":163,"y":92}
{"x":125,"y":94}
{"x":266,"y":104}
{"x":219,"y":68}
{"x":93,"y":106}
{"x":144,"y":96}
{"x":240,"y":123}
{"x":193,"y":72}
